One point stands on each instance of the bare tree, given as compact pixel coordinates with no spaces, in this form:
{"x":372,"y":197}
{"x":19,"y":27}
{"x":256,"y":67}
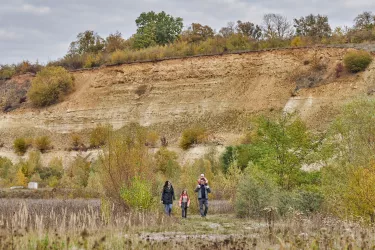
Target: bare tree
{"x":276,"y":26}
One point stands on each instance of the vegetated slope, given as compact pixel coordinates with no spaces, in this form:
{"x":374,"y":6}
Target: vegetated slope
{"x":219,"y":92}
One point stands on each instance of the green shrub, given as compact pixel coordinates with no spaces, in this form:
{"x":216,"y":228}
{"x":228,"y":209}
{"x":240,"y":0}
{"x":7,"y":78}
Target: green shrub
{"x":53,"y":181}
{"x":20,"y":146}
{"x":42,"y":143}
{"x":6,"y":169}
{"x":255,"y":191}
{"x":138,"y":194}
{"x":192,"y":136}
{"x":55,"y":168}
{"x":166,"y":162}
{"x":7,"y":71}
{"x":305,"y":201}
{"x":124,"y":158}
{"x":77,"y":174}
{"x":50,"y":85}
{"x":357,"y":61}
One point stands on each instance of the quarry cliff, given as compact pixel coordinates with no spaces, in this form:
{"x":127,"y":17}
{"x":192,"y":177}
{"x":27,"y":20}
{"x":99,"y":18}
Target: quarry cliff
{"x":219,"y":92}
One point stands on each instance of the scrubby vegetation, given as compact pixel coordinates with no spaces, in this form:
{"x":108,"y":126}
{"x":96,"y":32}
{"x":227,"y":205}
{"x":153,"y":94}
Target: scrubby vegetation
{"x":285,"y":173}
{"x":300,"y":180}
{"x":50,"y":85}
{"x":191,"y":136}
{"x":357,"y":61}
{"x":20,"y":146}
{"x":99,"y":135}
{"x":43,"y":143}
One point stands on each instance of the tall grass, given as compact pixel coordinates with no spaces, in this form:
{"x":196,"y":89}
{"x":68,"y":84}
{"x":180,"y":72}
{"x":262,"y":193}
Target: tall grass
{"x":53,"y":224}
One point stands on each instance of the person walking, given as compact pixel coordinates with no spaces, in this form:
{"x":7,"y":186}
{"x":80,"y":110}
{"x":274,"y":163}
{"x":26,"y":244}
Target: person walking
{"x":184,"y":203}
{"x":203,"y":189}
{"x":167,"y":197}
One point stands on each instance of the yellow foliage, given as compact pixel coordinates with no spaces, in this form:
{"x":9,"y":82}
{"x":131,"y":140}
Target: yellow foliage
{"x":120,"y":56}
{"x":360,"y":195}
{"x":194,"y":135}
{"x":50,"y":85}
{"x":93,"y":60}
{"x":297,"y":42}
{"x":20,"y":179}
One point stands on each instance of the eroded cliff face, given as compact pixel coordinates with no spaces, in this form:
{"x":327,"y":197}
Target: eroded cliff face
{"x":218,"y":91}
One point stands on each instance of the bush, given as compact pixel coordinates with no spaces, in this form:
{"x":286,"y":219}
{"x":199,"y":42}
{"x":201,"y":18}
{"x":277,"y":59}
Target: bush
{"x":53,"y":181}
{"x":78,"y":172}
{"x":49,"y":86}
{"x":7,"y":71}
{"x":70,"y":62}
{"x":43,"y":143}
{"x":303,"y":201}
{"x":20,"y":146}
{"x":119,"y":56}
{"x":93,"y":60}
{"x":297,"y":42}
{"x":255,"y":191}
{"x":166,"y":162}
{"x":5,"y":168}
{"x":192,"y":136}
{"x":357,"y":61}
{"x":20,"y":179}
{"x":138,"y":194}
{"x":99,"y":136}
{"x":76,"y":140}
{"x":125,"y":157}
{"x":55,"y":168}
{"x":27,"y":67}
{"x":152,"y":138}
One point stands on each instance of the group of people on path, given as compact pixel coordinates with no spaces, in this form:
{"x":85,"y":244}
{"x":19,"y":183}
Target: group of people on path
{"x":167,"y":197}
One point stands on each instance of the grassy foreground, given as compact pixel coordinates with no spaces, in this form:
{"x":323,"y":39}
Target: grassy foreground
{"x":87,"y":229}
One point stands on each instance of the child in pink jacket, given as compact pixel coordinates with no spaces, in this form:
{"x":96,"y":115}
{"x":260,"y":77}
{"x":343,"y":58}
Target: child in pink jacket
{"x":184,"y":203}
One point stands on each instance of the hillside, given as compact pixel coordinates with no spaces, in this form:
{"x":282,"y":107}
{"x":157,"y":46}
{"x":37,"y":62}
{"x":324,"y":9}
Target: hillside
{"x":220,"y":92}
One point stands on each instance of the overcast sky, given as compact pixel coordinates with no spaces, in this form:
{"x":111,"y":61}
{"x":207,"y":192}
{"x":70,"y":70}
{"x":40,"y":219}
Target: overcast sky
{"x":42,"y":30}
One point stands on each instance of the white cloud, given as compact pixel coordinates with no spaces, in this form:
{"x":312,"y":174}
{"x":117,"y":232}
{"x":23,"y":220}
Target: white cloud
{"x":28,"y":8}
{"x":8,"y":35}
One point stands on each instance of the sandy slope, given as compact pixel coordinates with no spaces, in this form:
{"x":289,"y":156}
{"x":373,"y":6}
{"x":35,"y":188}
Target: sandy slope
{"x":216,"y":90}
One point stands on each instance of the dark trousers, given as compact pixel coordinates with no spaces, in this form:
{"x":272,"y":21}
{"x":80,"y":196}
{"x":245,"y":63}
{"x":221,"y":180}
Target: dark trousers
{"x":203,"y":202}
{"x":184,"y":209}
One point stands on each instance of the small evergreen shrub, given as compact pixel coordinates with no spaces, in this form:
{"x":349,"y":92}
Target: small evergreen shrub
{"x":49,"y":86}
{"x":357,"y":61}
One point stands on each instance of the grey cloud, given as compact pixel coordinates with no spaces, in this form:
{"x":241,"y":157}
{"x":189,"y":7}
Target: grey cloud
{"x":39,"y":29}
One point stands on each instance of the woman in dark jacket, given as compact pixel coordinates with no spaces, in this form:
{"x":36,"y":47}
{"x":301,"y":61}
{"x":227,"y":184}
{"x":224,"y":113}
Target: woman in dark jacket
{"x":167,"y":197}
